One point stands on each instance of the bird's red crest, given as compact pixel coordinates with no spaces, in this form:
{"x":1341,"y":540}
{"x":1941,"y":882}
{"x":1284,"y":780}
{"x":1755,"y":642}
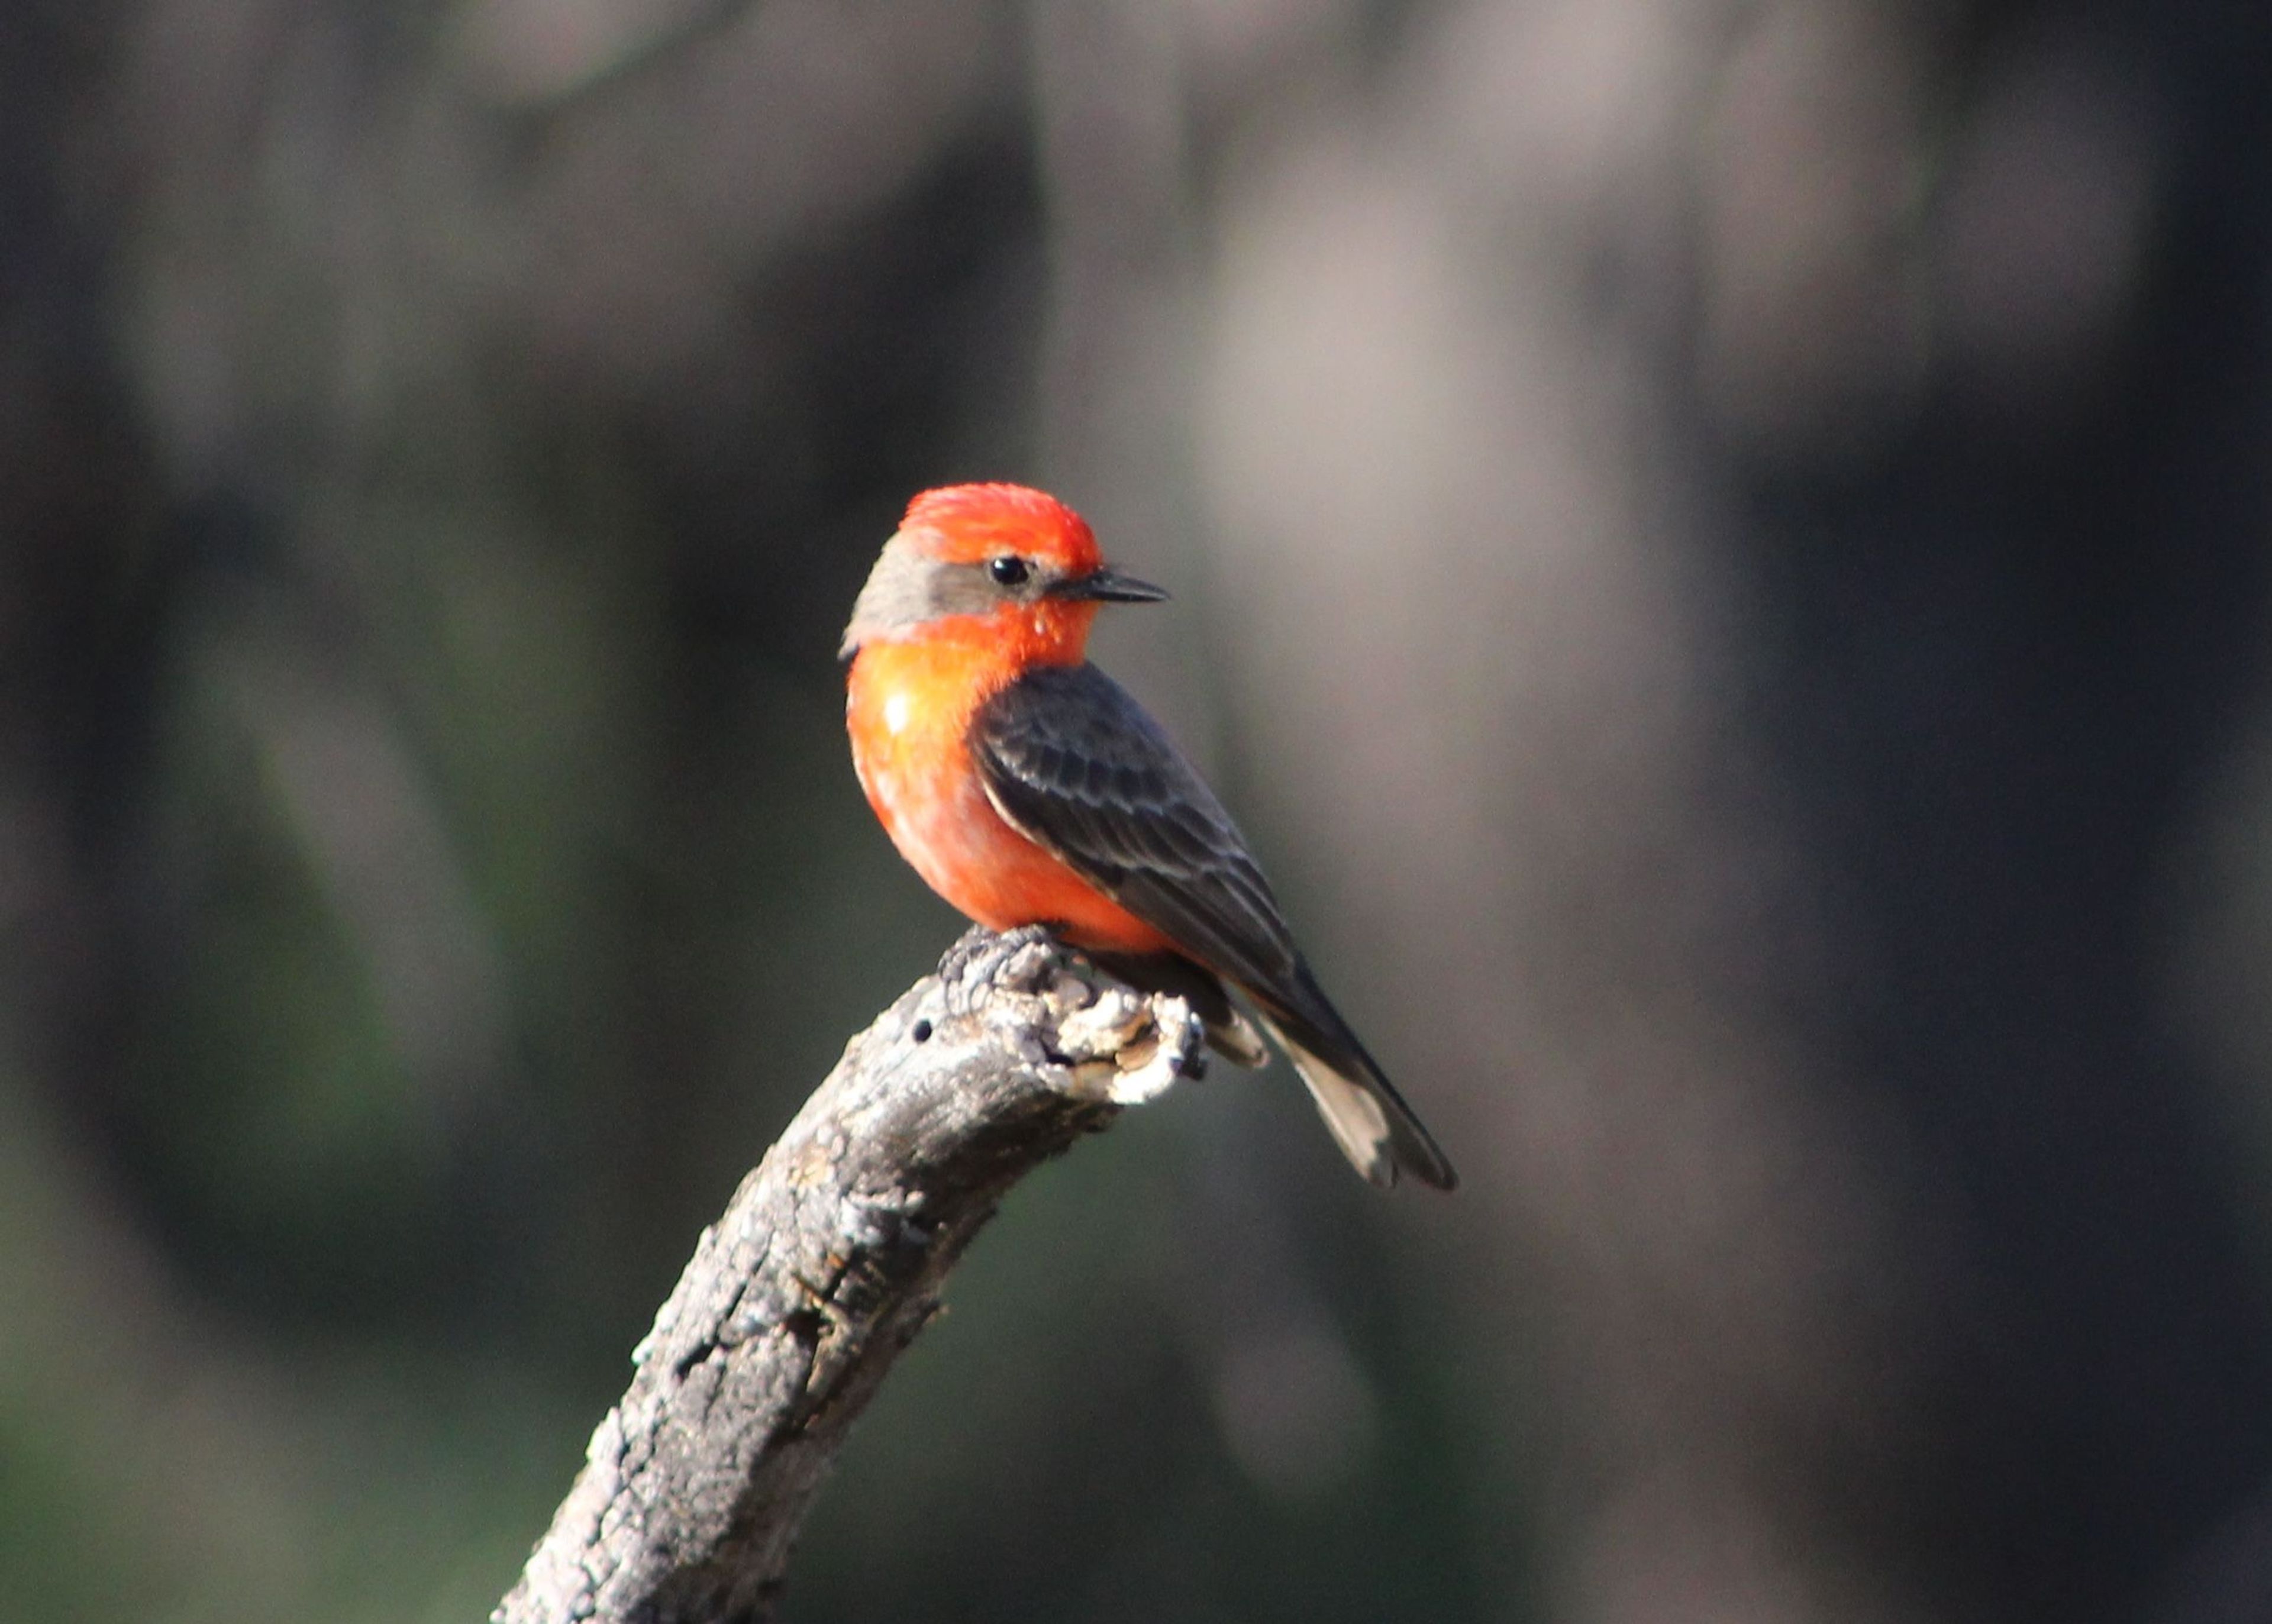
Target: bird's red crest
{"x":965,"y":524}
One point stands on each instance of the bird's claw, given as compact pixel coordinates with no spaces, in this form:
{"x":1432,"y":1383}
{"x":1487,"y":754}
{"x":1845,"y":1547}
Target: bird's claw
{"x":956,"y":962}
{"x":1016,"y":958}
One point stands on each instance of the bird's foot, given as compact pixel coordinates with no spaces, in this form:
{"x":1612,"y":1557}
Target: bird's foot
{"x":1019,"y":958}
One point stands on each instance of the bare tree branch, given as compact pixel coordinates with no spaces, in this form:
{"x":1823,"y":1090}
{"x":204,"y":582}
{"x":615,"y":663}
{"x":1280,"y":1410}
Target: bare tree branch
{"x":826,"y":1264}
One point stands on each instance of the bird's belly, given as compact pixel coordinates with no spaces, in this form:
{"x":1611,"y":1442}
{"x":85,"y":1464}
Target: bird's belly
{"x":951,"y":834}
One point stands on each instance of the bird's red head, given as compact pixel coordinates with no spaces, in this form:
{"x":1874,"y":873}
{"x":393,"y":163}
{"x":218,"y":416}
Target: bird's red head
{"x":998,"y":564}
{"x":970,"y":524}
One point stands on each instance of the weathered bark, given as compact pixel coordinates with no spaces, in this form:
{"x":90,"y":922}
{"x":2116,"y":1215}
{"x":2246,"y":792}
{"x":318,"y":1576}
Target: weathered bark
{"x":826,"y":1264}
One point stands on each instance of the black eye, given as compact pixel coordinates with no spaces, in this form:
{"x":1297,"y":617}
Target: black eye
{"x":1007,"y":571}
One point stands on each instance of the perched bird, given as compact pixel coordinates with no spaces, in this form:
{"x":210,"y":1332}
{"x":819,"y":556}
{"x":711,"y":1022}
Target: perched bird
{"x":1028,"y":788}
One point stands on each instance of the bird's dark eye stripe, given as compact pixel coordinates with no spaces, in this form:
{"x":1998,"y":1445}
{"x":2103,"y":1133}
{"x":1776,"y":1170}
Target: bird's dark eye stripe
{"x":1007,"y":571}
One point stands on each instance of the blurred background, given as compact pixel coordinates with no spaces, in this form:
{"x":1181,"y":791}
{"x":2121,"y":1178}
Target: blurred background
{"x":1720,"y":552}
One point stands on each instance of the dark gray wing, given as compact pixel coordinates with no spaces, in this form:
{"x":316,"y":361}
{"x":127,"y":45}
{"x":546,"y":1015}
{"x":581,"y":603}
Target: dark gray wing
{"x":1076,"y":764}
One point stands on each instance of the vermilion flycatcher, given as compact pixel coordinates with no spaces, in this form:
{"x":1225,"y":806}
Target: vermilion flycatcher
{"x":1028,"y":788}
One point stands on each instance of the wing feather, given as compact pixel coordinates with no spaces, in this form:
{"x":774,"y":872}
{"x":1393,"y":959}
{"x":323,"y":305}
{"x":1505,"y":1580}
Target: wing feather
{"x":1076,"y":765}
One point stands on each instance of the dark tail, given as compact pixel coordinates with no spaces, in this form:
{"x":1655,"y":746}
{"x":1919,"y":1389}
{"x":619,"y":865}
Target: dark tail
{"x":1370,"y":1121}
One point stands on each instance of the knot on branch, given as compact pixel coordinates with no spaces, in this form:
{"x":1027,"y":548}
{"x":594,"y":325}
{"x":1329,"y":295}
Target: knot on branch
{"x":1029,"y":991}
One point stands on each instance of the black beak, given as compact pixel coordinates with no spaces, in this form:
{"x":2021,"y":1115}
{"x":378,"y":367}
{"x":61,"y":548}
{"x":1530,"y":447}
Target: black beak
{"x":1107,"y":586}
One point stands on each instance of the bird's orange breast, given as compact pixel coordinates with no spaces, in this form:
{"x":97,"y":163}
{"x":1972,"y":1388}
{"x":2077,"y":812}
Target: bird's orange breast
{"x":909,"y":710}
